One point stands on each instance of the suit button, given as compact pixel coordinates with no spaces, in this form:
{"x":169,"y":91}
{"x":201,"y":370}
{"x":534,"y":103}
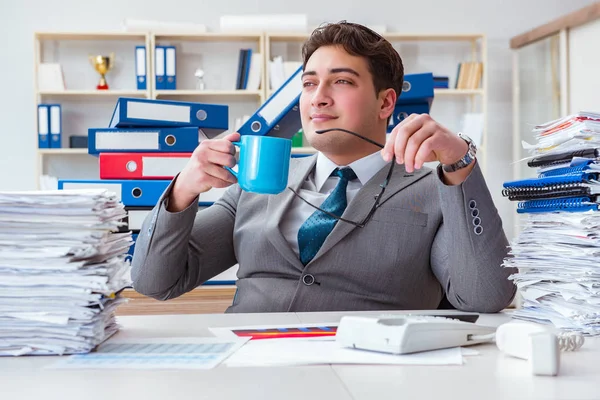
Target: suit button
{"x":472,"y":204}
{"x":308,"y":279}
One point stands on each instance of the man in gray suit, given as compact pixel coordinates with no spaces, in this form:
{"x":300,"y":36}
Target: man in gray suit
{"x":432,"y":235}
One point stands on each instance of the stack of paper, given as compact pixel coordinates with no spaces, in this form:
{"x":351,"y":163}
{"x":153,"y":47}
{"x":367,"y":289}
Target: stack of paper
{"x":574,"y":132}
{"x":559,"y":274}
{"x":61,"y":268}
{"x":557,"y":251}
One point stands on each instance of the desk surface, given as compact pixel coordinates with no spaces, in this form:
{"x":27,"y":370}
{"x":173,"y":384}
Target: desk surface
{"x":490,"y":375}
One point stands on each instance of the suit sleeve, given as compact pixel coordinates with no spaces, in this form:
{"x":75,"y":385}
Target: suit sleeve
{"x":470,"y":246}
{"x":176,"y":252}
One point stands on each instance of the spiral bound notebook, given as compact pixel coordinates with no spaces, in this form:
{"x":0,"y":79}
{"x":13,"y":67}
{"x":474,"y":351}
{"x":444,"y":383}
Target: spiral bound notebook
{"x":574,"y":168}
{"x":569,"y":204}
{"x":561,"y":158}
{"x":570,"y":185}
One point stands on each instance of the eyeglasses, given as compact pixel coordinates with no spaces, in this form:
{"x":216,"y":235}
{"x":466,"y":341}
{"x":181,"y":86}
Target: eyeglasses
{"x":378,"y":197}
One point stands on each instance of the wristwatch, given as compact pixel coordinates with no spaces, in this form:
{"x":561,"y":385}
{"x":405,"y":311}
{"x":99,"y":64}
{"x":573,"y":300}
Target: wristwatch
{"x":467,"y":159}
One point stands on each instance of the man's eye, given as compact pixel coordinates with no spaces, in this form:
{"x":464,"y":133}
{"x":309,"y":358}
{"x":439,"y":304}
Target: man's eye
{"x":343,"y":81}
{"x":306,"y":84}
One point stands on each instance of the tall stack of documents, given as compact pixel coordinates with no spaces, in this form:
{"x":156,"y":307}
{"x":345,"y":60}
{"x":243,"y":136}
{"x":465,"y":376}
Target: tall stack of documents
{"x":557,"y":253}
{"x":62,"y":266}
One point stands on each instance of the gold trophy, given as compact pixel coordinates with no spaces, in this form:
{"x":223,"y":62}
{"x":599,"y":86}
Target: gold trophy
{"x":102,"y":64}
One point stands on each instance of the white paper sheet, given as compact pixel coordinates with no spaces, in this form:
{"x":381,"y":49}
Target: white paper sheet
{"x":155,"y":353}
{"x":289,"y":352}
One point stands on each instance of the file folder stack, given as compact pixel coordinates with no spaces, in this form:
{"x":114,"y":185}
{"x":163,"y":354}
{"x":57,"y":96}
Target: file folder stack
{"x":558,"y":250}
{"x":416,"y":97}
{"x":61,"y":270}
{"x":147,"y":143}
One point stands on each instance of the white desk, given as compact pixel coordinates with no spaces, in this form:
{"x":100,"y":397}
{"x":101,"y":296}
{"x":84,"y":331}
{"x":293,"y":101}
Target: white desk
{"x":488,"y":376}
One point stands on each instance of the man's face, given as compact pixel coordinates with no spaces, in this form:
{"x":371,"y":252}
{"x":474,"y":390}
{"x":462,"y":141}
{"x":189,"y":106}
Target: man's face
{"x":338,"y":92}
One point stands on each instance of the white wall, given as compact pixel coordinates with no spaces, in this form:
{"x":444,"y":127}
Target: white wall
{"x":499,"y":20}
{"x":584,"y":81}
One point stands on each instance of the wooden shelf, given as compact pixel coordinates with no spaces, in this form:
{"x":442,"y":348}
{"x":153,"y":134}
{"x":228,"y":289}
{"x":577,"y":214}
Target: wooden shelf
{"x":163,"y":93}
{"x":101,"y":93}
{"x":303,"y":150}
{"x":444,"y":92}
{"x":90,"y":35}
{"x":202,"y":300}
{"x":435,"y":37}
{"x":457,"y":92}
{"x":210,"y":36}
{"x":288,"y":37}
{"x":65,"y":151}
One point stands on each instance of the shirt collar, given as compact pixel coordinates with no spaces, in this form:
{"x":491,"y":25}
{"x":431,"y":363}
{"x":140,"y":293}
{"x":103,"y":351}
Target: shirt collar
{"x":364,"y":168}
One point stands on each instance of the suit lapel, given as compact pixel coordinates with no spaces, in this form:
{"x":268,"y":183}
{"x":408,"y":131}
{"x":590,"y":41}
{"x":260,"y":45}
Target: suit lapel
{"x":277,"y":205}
{"x":359,"y":207}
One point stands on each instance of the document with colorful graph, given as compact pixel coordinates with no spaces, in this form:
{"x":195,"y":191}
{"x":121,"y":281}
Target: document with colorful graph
{"x":304,"y":331}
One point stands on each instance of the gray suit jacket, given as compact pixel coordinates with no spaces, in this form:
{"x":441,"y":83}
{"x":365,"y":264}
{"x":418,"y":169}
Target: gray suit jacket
{"x":420,"y":244}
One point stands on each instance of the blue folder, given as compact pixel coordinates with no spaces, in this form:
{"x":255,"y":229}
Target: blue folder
{"x":55,"y":119}
{"x":279,"y":115}
{"x":142,"y":140}
{"x":417,"y":88}
{"x":43,"y":126}
{"x":140,"y":68}
{"x":136,"y":113}
{"x":130,"y":192}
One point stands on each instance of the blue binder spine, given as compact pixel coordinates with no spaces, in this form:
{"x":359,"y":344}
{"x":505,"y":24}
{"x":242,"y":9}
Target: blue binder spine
{"x":134,"y":193}
{"x":171,"y":67}
{"x":275,"y":111}
{"x":417,"y":88}
{"x":159,"y":68}
{"x":138,"y":140}
{"x":55,"y":126}
{"x":43,"y":121}
{"x":135,"y":113}
{"x":570,"y":204}
{"x":140,"y":67}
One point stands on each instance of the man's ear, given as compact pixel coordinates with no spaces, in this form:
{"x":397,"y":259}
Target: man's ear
{"x":388,"y":102}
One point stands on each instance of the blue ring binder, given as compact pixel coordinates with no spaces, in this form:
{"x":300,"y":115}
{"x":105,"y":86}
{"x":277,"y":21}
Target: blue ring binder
{"x":571,"y":204}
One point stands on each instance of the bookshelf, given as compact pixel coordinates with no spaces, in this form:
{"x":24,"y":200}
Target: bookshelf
{"x":217,"y":54}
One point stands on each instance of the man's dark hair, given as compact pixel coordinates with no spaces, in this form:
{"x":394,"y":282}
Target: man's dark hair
{"x":384,"y":61}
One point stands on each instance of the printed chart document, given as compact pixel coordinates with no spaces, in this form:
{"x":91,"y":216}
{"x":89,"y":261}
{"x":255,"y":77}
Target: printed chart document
{"x":256,"y":332}
{"x":149,"y":353}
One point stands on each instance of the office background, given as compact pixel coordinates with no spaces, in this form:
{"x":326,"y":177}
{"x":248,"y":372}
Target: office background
{"x":499,"y":20}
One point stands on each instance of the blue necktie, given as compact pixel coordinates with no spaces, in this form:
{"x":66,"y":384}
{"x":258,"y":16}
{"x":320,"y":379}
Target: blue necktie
{"x":314,"y":230}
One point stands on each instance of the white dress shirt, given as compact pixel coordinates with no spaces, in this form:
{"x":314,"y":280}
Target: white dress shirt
{"x":319,"y":184}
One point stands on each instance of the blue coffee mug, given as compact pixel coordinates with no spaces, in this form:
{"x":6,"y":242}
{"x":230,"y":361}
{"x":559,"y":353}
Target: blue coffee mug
{"x":264,"y":164}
